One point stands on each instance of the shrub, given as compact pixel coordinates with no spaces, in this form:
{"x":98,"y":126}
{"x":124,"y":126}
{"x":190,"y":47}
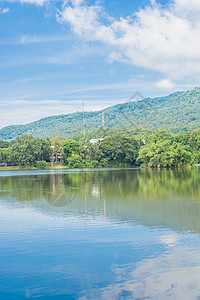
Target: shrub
{"x":41,"y":164}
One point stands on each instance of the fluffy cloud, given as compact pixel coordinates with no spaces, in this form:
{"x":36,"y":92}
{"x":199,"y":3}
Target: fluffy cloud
{"x":189,"y":5}
{"x":4,"y":11}
{"x":165,"y":84}
{"x":157,"y":38}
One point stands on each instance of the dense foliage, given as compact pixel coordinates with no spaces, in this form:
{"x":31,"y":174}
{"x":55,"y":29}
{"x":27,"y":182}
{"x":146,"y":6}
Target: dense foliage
{"x":178,"y":112}
{"x":27,"y":150}
{"x":4,"y":144}
{"x":118,"y":148}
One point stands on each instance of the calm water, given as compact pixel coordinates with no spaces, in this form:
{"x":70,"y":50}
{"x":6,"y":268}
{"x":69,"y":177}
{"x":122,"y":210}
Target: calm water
{"x":112,"y":234}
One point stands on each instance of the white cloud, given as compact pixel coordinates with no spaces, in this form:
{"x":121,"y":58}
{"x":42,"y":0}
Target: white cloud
{"x":81,"y":18}
{"x":156,"y":38}
{"x":4,"y":11}
{"x":28,"y":39}
{"x":189,"y":5}
{"x":77,"y":2}
{"x":169,"y":240}
{"x":37,"y":2}
{"x":23,"y":39}
{"x":34,"y":2}
{"x":116,"y":56}
{"x":165,"y":84}
{"x":173,"y":275}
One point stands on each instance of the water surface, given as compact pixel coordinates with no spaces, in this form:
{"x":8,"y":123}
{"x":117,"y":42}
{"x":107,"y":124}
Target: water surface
{"x":102,"y":234}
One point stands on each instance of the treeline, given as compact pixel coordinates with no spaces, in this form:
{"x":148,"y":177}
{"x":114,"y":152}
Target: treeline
{"x":111,"y":148}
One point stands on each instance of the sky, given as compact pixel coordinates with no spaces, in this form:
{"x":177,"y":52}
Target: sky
{"x":56,"y":54}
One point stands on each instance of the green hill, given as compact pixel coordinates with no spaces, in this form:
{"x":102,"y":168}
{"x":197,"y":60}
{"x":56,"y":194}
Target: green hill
{"x":179,"y":112}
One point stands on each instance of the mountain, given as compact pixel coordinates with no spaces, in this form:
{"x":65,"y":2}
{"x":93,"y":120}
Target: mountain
{"x":179,"y":112}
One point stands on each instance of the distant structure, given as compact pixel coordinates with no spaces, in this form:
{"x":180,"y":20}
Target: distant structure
{"x":94,"y":141}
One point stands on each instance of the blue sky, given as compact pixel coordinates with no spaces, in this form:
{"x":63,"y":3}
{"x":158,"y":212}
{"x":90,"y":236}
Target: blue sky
{"x":55,"y":54}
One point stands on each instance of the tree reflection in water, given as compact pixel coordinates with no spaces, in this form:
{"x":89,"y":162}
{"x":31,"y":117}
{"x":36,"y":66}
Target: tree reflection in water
{"x":152,"y":197}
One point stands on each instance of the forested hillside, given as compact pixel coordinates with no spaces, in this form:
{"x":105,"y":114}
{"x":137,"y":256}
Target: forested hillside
{"x":178,"y":112}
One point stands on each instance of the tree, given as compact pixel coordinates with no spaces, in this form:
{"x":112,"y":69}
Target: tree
{"x":120,"y":148}
{"x":26,"y":150}
{"x":164,"y":153}
{"x":57,"y":144}
{"x":179,"y":155}
{"x":194,"y":141}
{"x":75,"y":161}
{"x":46,"y":151}
{"x":91,"y":152}
{"x":5,"y":156}
{"x":70,"y":147}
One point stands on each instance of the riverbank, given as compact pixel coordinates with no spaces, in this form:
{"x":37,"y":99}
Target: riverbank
{"x":21,"y":168}
{"x":62,"y":167}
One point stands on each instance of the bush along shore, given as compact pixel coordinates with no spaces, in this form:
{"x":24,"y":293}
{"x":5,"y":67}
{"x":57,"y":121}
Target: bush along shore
{"x":103,"y":148}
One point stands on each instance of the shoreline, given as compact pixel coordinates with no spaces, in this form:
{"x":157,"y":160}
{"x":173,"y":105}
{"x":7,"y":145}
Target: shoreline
{"x":59,"y":167}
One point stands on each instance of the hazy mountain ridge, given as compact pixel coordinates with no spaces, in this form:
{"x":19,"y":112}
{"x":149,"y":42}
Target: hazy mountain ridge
{"x":180,"y":110}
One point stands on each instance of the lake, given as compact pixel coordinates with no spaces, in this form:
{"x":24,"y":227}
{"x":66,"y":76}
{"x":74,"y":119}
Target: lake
{"x":100,"y":234}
